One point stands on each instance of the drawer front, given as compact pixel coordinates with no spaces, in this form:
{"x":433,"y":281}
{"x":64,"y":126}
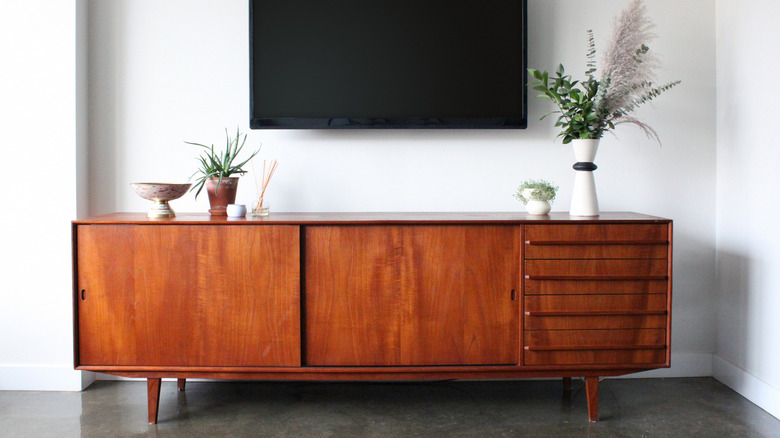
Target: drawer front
{"x":596,"y":294}
{"x":653,"y":356}
{"x":600,"y":287}
{"x":552,"y":251}
{"x":614,"y":233}
{"x":596,"y":242}
{"x":596,"y":269}
{"x":594,"y":339}
{"x":604,"y":322}
{"x":585,"y":304}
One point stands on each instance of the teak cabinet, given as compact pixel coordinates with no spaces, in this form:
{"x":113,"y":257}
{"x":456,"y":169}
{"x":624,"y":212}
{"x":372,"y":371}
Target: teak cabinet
{"x":372,"y":296}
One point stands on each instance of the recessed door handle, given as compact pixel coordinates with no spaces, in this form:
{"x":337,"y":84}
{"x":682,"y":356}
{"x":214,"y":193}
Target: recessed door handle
{"x":83,"y":296}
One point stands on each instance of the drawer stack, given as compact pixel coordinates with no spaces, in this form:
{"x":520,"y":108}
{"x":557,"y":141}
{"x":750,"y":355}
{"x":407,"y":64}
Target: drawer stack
{"x":596,"y":295}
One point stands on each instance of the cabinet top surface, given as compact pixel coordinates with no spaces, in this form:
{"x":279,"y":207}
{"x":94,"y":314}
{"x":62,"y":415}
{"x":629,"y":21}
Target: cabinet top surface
{"x":374,"y":218}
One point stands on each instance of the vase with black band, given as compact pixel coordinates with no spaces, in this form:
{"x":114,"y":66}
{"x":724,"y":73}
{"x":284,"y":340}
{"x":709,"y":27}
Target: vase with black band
{"x":584,"y":201}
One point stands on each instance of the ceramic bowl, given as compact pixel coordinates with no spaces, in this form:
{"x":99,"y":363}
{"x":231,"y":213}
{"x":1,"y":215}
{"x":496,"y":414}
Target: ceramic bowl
{"x":160,"y":193}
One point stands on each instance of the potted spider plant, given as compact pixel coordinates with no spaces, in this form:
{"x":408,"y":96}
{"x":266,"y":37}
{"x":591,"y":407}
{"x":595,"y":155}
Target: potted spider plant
{"x":537,"y":195}
{"x":216,"y":170}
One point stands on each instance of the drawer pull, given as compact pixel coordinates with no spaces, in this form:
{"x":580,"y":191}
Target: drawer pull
{"x":596,"y":242}
{"x":601,"y":278}
{"x":604,"y":313}
{"x":594,"y":347}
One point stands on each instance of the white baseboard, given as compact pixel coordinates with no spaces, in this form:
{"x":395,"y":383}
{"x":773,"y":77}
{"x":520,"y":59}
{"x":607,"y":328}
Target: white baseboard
{"x":42,"y":378}
{"x":752,"y":388}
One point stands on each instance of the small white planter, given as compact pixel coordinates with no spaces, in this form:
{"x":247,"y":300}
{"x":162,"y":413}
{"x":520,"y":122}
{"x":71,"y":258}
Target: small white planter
{"x":535,"y":206}
{"x":538,"y":207}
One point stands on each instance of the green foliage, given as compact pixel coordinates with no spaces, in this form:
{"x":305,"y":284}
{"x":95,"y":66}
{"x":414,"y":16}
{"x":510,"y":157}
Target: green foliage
{"x":220,"y":165}
{"x":590,"y":108}
{"x":541,"y":190}
{"x":576,"y":102}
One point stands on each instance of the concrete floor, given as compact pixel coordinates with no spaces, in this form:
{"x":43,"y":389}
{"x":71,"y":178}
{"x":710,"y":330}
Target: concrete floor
{"x":699,"y":407}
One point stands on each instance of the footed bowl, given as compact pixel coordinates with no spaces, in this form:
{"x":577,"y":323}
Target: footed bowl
{"x":160,"y":193}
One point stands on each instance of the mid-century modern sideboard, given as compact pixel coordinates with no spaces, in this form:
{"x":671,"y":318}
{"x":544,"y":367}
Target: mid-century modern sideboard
{"x":361,"y":296}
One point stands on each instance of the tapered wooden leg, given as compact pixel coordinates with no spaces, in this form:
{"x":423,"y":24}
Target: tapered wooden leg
{"x":181,"y":383}
{"x":592,"y":390}
{"x":153,"y":398}
{"x":567,"y":384}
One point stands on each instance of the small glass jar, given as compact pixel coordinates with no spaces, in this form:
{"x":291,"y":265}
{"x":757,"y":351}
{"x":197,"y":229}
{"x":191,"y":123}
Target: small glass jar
{"x":261,"y":208}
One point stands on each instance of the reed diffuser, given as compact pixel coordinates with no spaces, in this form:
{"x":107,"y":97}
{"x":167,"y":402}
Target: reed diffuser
{"x":262,"y":206}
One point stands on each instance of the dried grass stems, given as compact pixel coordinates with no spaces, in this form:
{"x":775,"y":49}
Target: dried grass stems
{"x":629,"y":70}
{"x":267,"y":174}
{"x":592,"y":107}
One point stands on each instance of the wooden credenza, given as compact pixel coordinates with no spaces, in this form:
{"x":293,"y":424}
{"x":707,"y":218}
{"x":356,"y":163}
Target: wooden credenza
{"x":337,"y":296}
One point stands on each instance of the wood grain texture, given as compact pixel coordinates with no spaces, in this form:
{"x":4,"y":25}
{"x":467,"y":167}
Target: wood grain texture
{"x":580,"y":322}
{"x":583,"y":233}
{"x":188,"y":295}
{"x":411,"y":295}
{"x":594,"y":339}
{"x":597,"y":251}
{"x":386,"y":296}
{"x":591,"y":359}
{"x":592,"y":391}
{"x":396,"y":373}
{"x":385,"y":218}
{"x":595,"y":269}
{"x":592,"y":286}
{"x":153,"y":398}
{"x":584,"y":304}
{"x":596,"y":295}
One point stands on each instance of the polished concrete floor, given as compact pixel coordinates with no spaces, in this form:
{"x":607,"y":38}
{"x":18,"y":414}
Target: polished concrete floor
{"x":699,"y":407}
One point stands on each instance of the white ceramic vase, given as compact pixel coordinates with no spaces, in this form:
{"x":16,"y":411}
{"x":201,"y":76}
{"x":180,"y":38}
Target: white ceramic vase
{"x":584,"y":201}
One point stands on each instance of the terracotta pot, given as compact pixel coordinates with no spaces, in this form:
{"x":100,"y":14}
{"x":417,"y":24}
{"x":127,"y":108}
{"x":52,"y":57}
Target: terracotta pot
{"x":220,"y":198}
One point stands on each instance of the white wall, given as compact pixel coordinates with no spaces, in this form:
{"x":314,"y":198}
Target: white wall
{"x":39,"y":137}
{"x":165,"y":71}
{"x":748,"y":241}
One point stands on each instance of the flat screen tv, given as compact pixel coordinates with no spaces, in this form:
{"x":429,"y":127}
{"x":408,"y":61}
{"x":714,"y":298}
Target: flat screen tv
{"x":330,"y":64}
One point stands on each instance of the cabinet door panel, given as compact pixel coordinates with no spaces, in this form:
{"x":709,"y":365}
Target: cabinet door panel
{"x":411,"y":295}
{"x":178,"y":295}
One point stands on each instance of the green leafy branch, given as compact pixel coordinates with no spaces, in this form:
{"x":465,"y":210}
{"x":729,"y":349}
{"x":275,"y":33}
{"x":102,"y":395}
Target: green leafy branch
{"x":576,"y":102}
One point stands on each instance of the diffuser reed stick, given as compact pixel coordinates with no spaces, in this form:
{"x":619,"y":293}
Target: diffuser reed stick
{"x":268,"y":172}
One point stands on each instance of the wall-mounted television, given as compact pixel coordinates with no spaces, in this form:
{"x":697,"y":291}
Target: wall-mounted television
{"x":330,"y":64}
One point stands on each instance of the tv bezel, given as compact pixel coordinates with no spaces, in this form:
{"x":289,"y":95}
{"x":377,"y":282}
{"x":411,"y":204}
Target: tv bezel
{"x":394,"y":123}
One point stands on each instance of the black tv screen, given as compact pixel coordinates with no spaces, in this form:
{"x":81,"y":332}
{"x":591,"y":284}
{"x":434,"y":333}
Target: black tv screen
{"x":387,"y":64}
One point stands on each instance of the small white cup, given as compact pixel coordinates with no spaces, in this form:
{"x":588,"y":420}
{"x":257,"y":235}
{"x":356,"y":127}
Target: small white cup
{"x":236,"y":210}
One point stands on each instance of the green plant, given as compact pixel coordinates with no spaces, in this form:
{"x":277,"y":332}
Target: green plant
{"x":220,"y":165}
{"x":540,"y":190}
{"x":592,"y":107}
{"x":576,"y":102}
